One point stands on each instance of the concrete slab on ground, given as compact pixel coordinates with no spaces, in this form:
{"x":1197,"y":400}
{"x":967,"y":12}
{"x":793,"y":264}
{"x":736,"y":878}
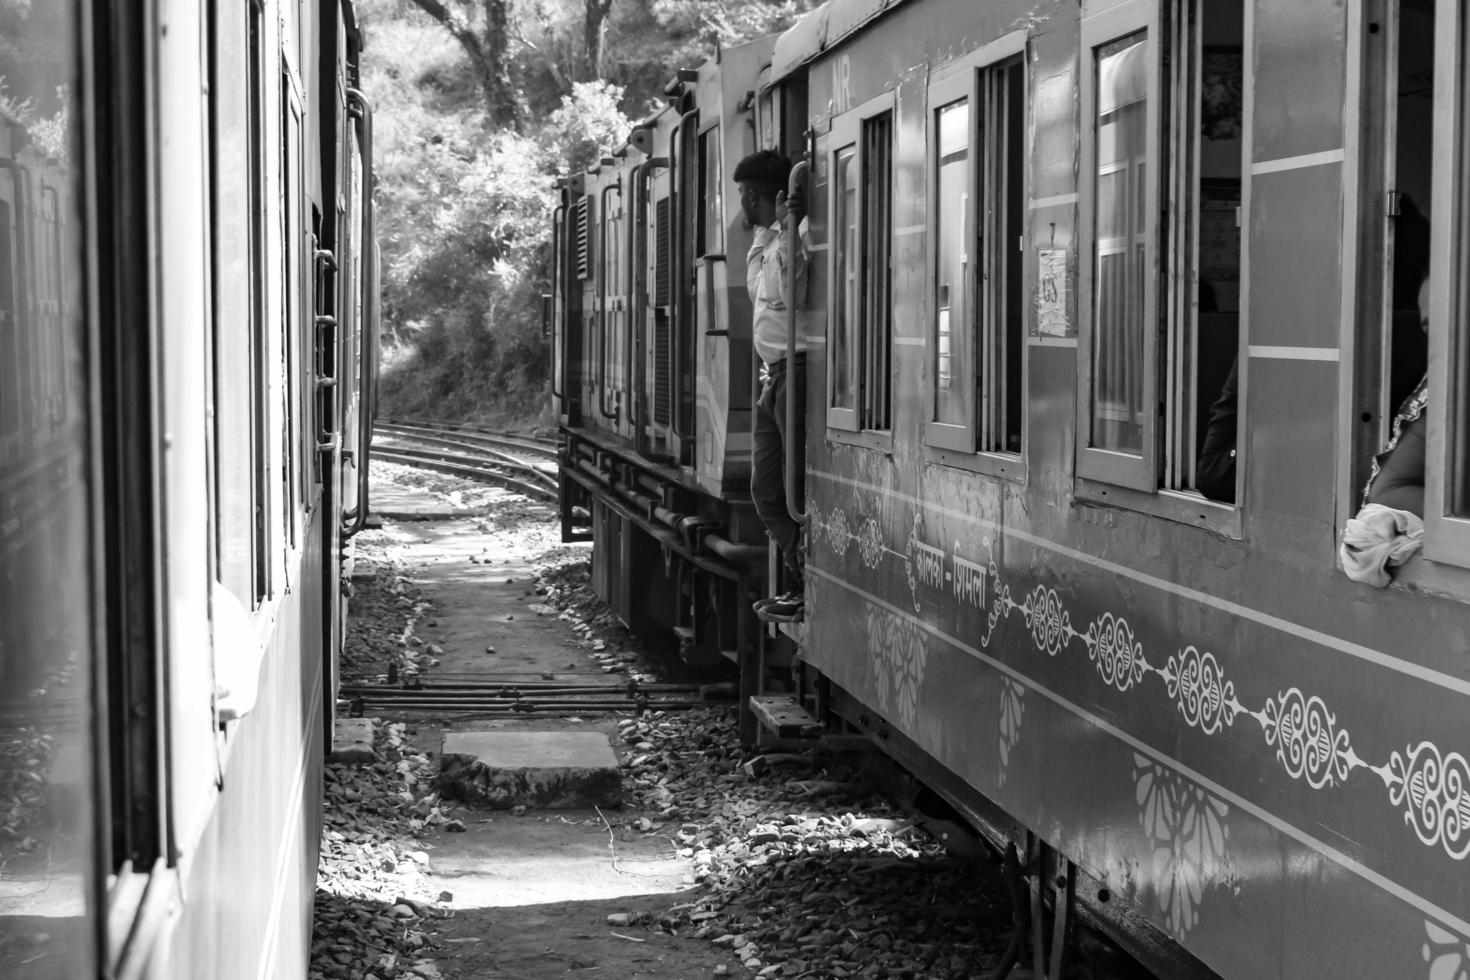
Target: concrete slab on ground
{"x":538,"y":769}
{"x":352,"y":740}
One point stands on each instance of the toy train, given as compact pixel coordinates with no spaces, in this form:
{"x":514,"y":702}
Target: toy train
{"x":187,"y":329}
{"x":1043,"y":237}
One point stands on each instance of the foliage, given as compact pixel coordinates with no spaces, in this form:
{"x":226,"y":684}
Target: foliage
{"x":465,"y":187}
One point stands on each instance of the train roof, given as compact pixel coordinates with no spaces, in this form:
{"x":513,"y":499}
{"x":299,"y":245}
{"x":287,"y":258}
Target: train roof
{"x":822,"y":28}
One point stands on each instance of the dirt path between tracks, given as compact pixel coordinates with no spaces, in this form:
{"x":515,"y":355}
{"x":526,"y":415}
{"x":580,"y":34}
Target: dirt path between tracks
{"x":788,"y":867}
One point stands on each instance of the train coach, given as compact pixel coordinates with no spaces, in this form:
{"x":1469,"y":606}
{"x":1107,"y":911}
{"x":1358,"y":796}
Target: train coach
{"x":187,"y":330}
{"x":1059,"y":252}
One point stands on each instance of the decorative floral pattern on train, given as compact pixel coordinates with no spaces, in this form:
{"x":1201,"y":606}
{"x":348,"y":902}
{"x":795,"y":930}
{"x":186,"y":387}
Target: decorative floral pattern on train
{"x":1187,"y":826}
{"x":1426,"y":784}
{"x":1447,"y":954}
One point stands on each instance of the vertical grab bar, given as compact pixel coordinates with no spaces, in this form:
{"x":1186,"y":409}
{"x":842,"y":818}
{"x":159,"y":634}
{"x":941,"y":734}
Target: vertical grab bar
{"x":793,"y":232}
{"x":367,"y":354}
{"x":327,"y":435}
{"x":557,"y":344}
{"x":602,"y":300}
{"x":676,"y":263}
{"x":637,"y":409}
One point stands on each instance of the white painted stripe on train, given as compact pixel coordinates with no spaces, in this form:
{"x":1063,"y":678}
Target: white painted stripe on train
{"x":1294,"y":353}
{"x":1298,"y":162}
{"x":909,"y":230}
{"x":910,"y":341}
{"x":1424,"y":905}
{"x":292,"y":834}
{"x":1056,"y":201}
{"x":1419,"y":672}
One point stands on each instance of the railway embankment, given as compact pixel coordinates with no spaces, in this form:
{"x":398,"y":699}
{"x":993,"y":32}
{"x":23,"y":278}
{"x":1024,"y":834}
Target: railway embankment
{"x":717,"y":863}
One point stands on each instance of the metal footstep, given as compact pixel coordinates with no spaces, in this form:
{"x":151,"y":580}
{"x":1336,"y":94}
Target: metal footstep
{"x":782,"y":716}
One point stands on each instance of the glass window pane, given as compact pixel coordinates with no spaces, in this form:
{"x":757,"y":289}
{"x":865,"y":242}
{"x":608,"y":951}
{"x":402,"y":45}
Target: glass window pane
{"x":846,"y":257}
{"x":953,"y":399}
{"x":50,"y":851}
{"x":1121,"y":246}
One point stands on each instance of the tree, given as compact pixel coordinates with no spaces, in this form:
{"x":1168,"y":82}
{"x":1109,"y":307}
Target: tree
{"x":594,"y":33}
{"x":485,"y":44}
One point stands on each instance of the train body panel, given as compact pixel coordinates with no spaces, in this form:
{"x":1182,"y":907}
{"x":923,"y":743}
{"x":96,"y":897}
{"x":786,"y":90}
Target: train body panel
{"x":1203,"y":725}
{"x":1012,"y":569}
{"x":175,"y":377}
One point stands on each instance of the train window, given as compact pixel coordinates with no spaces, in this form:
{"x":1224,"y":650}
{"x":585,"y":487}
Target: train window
{"x":977,"y":199}
{"x":11,"y":369}
{"x":953,"y":383}
{"x":1160,"y":332}
{"x":1447,"y":456}
{"x":294,"y":254}
{"x":862,"y":230}
{"x":842,"y":372}
{"x":1121,"y":421}
{"x":1001,"y":129}
{"x":238,"y":337}
{"x":712,"y":196}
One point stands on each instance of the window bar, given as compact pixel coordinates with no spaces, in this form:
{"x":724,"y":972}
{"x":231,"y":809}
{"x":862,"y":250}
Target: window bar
{"x":989,"y":139}
{"x":1005,"y":132}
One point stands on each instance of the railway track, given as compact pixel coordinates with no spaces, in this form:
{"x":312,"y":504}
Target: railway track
{"x":521,"y":697}
{"x":527,"y":466}
{"x":541,"y":450}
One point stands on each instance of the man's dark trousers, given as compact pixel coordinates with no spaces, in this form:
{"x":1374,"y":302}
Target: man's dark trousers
{"x":768,"y":457}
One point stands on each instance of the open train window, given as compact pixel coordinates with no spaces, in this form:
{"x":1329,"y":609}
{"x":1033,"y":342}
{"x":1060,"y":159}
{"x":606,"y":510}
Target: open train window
{"x":1447,"y":455}
{"x":859,"y":353}
{"x":1160,"y":205}
{"x":238,"y":340}
{"x":711,"y":230}
{"x":977,"y":195}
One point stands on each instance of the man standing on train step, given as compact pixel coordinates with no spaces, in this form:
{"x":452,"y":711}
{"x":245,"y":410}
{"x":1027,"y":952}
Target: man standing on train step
{"x":762,"y":178}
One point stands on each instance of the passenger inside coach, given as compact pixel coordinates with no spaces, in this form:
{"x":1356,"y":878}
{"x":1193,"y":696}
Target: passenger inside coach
{"x":1397,"y":478}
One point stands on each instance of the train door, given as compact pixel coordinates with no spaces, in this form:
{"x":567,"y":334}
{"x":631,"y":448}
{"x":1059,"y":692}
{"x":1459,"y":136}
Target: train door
{"x":1396,"y":214}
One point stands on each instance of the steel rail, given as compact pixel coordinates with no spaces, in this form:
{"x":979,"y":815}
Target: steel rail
{"x":482,"y":473}
{"x":632,"y":690}
{"x":540,"y":452}
{"x":520,"y":707}
{"x":529,"y":443}
{"x":473,"y":451}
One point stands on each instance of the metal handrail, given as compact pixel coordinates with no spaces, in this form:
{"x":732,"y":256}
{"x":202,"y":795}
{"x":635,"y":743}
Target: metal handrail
{"x":367,"y":353}
{"x":796,"y":182}
{"x":602,"y":385}
{"x":676,"y":174}
{"x":558,"y":216}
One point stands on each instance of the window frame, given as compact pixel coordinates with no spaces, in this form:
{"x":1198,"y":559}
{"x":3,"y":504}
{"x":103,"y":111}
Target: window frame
{"x":1446,"y":536}
{"x":963,"y":79}
{"x":1105,"y":465}
{"x":846,"y":133}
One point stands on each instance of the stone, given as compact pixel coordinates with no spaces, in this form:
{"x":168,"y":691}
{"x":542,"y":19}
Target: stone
{"x":503,"y":769}
{"x":352,"y":740}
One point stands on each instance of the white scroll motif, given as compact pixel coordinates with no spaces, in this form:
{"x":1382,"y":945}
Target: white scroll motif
{"x":1434,"y":790}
